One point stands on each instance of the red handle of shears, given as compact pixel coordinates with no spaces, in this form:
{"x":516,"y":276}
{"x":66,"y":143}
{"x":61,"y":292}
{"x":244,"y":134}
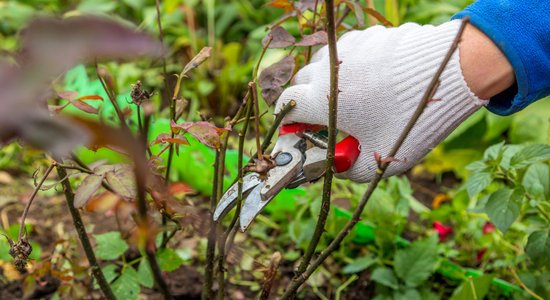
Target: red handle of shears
{"x":346,"y":152}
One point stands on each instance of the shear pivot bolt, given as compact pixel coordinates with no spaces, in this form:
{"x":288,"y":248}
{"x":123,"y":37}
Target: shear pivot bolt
{"x":283,"y":158}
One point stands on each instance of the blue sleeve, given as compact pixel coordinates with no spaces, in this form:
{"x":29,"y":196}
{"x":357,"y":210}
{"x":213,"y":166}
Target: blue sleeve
{"x":521,"y":29}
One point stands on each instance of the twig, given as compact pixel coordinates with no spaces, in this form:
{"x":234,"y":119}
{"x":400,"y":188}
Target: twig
{"x":83,"y":236}
{"x":333,"y":104}
{"x":278,"y":119}
{"x":528,"y":290}
{"x":112,"y":98}
{"x":270,"y":275}
{"x":308,"y":56}
{"x":211,"y":244}
{"x":245,"y":105}
{"x":298,"y":281}
{"x":140,"y":169}
{"x":31,"y":198}
{"x":254,"y":93}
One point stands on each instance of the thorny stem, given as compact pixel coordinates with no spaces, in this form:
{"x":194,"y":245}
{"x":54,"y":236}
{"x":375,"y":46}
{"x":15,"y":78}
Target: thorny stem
{"x":254,"y":93}
{"x":299,"y":280}
{"x":278,"y":120}
{"x":31,"y":198}
{"x":246,"y":105}
{"x":140,"y":169}
{"x":333,"y":104}
{"x":211,"y":244}
{"x":83,"y":236}
{"x":231,"y":230}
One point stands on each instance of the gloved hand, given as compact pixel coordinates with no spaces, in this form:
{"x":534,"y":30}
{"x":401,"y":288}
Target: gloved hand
{"x":383,"y":75}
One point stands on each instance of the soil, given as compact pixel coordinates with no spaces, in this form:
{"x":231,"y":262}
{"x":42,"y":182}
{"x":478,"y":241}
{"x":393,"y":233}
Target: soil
{"x":50,"y":216}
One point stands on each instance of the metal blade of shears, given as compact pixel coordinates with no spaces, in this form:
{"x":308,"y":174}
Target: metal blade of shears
{"x":229,"y":199}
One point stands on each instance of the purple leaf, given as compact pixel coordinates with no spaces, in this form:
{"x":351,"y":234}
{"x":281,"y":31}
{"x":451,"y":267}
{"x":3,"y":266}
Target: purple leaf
{"x":318,"y":38}
{"x":280,"y":38}
{"x":273,"y":78}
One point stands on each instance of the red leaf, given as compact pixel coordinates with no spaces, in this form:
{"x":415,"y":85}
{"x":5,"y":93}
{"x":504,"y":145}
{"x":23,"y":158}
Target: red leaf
{"x":318,"y":38}
{"x":274,"y":77}
{"x":280,"y":38}
{"x":85,"y":107}
{"x":67,"y":95}
{"x":205,"y":132}
{"x":284,"y":4}
{"x":90,"y":97}
{"x":167,"y":138}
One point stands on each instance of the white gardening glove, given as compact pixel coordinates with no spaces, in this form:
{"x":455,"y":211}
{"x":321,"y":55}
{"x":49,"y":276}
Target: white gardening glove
{"x":383,"y":75}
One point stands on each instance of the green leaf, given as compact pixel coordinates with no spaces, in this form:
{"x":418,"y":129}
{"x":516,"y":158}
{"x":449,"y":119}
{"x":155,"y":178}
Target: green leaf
{"x":478,"y":182}
{"x":537,"y":180}
{"x":530,"y":154}
{"x":385,"y":276}
{"x":145,"y":276}
{"x":473,"y":288}
{"x":494,"y":152}
{"x":502,"y":208}
{"x":538,"y":246}
{"x":110,"y":245}
{"x":416,"y":263}
{"x":110,"y":272}
{"x":127,"y":285}
{"x":87,"y":189}
{"x":358,"y":265}
{"x":169,"y":260}
{"x":408,"y":294}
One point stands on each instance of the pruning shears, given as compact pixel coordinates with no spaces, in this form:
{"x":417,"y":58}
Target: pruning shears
{"x":299,"y":157}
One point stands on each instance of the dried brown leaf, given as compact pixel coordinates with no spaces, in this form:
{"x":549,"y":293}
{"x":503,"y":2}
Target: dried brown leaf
{"x":280,"y":38}
{"x":273,"y":78}
{"x":87,"y":189}
{"x":203,"y":55}
{"x":318,"y":38}
{"x":122,"y":181}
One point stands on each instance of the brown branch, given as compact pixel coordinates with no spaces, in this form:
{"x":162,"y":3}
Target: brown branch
{"x":31,"y":198}
{"x":247,"y":104}
{"x":298,"y":281}
{"x":333,"y":104}
{"x":83,"y":236}
{"x":254,"y":93}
